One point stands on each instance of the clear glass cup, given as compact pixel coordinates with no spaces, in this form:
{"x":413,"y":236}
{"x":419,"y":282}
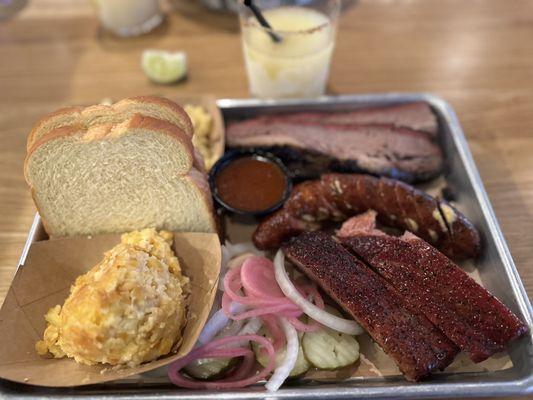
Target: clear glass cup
{"x":298,"y":65}
{"x":8,"y":8}
{"x":129,"y":17}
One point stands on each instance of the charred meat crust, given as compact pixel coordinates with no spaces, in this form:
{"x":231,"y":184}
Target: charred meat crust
{"x":477,"y":322}
{"x":406,"y":335}
{"x":416,"y":116}
{"x":398,"y":141}
{"x":462,"y":235}
{"x":280,"y":227}
{"x":310,"y":164}
{"x":337,"y":196}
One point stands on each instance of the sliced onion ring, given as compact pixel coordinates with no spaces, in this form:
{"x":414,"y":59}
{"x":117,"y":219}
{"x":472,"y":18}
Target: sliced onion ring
{"x":331,"y":321}
{"x":291,"y":354}
{"x":217,"y":322}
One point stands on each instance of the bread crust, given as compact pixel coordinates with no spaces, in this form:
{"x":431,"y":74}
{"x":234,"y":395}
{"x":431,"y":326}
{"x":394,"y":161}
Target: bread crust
{"x":163,"y":102}
{"x":137,"y":121}
{"x":74,"y":111}
{"x":199,"y":180}
{"x":86,"y":115}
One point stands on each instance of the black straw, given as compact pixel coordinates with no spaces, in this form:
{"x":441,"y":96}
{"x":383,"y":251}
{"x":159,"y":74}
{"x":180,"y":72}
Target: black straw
{"x":262,"y":20}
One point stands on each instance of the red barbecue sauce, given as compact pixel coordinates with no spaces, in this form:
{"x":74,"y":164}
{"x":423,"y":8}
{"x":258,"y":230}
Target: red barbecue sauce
{"x":251,"y":184}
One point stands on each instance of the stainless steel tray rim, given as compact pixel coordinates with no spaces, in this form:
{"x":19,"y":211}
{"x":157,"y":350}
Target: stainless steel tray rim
{"x":394,"y":387}
{"x":483,"y":199}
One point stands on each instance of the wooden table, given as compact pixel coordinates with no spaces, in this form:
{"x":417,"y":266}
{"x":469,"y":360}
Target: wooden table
{"x":478,"y":55}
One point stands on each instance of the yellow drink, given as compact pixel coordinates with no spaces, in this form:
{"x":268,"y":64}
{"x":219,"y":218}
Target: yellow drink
{"x":298,"y":66}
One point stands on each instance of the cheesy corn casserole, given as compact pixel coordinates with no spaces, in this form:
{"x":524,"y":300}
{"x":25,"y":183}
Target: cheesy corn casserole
{"x":128,"y":309}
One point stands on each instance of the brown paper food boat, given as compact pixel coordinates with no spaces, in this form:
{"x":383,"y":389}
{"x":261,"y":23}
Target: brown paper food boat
{"x":44,"y":281}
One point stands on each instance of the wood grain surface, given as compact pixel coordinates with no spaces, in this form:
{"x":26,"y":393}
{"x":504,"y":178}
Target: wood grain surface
{"x":477,"y":54}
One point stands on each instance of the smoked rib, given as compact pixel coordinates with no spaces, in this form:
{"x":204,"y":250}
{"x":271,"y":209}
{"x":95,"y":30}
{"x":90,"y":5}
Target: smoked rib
{"x":406,"y":335}
{"x":477,"y":322}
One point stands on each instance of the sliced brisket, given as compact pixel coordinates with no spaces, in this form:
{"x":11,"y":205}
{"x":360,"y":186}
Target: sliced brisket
{"x":308,"y":148}
{"x":416,"y":116}
{"x":406,"y":335}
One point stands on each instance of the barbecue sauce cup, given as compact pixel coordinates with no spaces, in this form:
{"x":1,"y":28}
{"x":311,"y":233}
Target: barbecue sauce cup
{"x":250,"y":184}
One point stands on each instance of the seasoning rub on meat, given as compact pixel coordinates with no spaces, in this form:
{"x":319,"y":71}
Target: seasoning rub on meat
{"x":476,"y":321}
{"x":336,"y":197}
{"x":405,"y":334}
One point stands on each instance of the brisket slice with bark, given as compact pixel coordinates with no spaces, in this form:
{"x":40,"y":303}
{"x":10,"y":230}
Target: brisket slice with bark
{"x":406,"y":335}
{"x":309,"y":148}
{"x":477,"y":322}
{"x":416,"y":116}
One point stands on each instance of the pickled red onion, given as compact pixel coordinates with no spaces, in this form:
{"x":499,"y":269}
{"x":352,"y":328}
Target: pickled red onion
{"x":229,"y":251}
{"x":232,"y":283}
{"x":276,"y":333}
{"x":253,"y":292}
{"x":302,"y":326}
{"x":242,"y":371}
{"x":286,"y":310}
{"x":258,"y":279}
{"x":312,"y":293}
{"x":214,"y":350}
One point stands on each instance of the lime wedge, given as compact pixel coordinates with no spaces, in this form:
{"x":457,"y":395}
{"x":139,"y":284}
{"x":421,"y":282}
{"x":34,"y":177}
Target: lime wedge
{"x":164,"y":66}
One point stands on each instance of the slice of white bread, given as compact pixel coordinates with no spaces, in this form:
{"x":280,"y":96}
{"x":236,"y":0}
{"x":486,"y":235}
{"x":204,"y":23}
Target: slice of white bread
{"x":149,"y":106}
{"x":118,"y":177}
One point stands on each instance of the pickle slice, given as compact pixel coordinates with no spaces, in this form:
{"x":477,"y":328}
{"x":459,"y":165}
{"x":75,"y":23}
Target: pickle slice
{"x":329,"y":349}
{"x":302,"y":364}
{"x":209,"y":368}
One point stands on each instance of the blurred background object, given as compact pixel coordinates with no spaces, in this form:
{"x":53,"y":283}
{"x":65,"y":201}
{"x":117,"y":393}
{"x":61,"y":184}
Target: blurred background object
{"x":9,"y":8}
{"x":222,"y":5}
{"x":129,"y":17}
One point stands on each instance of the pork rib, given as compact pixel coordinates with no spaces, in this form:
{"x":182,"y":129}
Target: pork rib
{"x":477,"y":322}
{"x":414,"y":343}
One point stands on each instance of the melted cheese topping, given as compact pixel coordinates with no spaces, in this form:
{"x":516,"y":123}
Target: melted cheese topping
{"x":128,"y":309}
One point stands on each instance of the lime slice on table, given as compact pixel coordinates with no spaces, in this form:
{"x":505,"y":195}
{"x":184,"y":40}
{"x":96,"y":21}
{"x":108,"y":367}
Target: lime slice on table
{"x":164,"y":66}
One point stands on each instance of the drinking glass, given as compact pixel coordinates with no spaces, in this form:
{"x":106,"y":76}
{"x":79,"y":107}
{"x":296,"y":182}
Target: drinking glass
{"x":8,"y":8}
{"x":297,"y":66}
{"x":129,"y":17}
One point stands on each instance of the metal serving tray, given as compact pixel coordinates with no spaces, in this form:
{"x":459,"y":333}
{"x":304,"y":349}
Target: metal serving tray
{"x":495,"y":267}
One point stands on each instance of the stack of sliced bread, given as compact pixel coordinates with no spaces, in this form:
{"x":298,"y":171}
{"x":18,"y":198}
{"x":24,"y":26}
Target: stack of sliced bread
{"x":118,"y":168}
